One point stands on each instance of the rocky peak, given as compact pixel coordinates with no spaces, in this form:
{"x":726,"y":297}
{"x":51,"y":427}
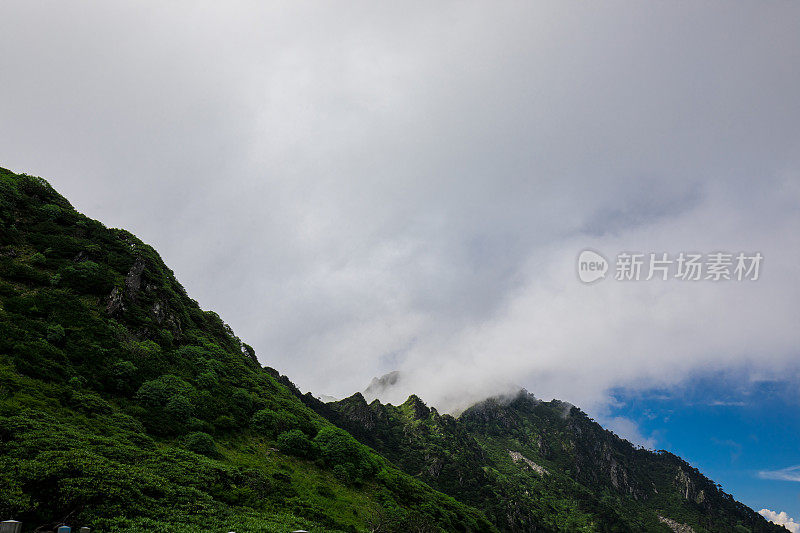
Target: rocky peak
{"x":416,"y":407}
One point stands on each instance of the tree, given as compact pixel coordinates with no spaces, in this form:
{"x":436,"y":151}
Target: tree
{"x":167,"y":405}
{"x":265,"y":422}
{"x":201,"y":443}
{"x":344,"y":454}
{"x":295,"y":442}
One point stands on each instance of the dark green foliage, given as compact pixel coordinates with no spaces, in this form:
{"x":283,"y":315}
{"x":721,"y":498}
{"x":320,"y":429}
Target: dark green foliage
{"x":88,"y":277}
{"x":55,"y":334}
{"x":201,"y":443}
{"x":339,"y":450}
{"x":166,"y":404}
{"x":268,"y":422}
{"x":295,"y":442}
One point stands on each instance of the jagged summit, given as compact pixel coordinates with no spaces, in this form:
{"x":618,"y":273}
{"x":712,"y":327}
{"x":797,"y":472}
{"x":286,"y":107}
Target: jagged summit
{"x":416,"y":408}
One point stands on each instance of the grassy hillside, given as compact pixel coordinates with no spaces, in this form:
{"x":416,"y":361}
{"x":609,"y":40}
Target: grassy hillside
{"x":125,"y":407}
{"x":543,"y":466}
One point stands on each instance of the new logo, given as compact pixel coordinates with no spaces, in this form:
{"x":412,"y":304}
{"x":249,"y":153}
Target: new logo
{"x":591,"y":266}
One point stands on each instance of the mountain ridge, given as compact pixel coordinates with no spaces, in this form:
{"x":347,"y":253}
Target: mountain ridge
{"x":544,"y":437}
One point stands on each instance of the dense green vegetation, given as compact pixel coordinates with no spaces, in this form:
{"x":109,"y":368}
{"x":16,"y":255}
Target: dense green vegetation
{"x":125,"y":407}
{"x":542,"y":466}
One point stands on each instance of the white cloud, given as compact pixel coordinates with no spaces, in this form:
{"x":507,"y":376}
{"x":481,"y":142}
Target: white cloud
{"x":782,"y":519}
{"x":367,"y":188}
{"x":564,"y":339}
{"x":791,"y":473}
{"x":727,"y":403}
{"x":628,"y":429}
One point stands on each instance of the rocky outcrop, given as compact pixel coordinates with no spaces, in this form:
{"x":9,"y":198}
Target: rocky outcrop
{"x":675,"y":526}
{"x":115,"y":303}
{"x":133,"y":281}
{"x":367,"y":416}
{"x":135,"y":292}
{"x":517,"y":457}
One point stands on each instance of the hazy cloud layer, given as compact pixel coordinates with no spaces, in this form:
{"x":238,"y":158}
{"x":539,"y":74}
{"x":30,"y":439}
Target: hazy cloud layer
{"x":382,"y":186}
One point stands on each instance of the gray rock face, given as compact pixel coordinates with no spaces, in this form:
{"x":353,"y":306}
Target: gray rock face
{"x":517,"y":457}
{"x":676,"y":526}
{"x":133,"y":281}
{"x":135,"y":292}
{"x":688,"y":489}
{"x":115,"y":303}
{"x":378,"y":386}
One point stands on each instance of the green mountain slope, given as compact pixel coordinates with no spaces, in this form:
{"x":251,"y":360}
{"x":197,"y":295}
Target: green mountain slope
{"x":125,"y":407}
{"x":543,"y":466}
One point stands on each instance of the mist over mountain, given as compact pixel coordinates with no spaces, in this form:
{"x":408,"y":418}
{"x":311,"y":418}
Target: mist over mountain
{"x":407,"y":188}
{"x":126,"y":407}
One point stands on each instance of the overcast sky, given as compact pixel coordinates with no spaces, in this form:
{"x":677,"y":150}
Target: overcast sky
{"x":363,"y":187}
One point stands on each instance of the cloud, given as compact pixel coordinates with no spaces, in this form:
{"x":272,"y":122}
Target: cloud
{"x":628,"y":429}
{"x":791,"y":473}
{"x":782,"y":519}
{"x":373,"y":188}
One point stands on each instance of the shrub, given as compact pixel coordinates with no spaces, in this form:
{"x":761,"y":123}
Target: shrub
{"x":122,"y":376}
{"x":166,"y":403}
{"x":178,"y":410}
{"x":224,"y":422}
{"x":265,"y":421}
{"x":55,"y":334}
{"x":343,"y":473}
{"x":295,"y":442}
{"x":348,"y":459}
{"x":88,"y":277}
{"x":50,"y":211}
{"x":207,"y":380}
{"x":157,"y":392}
{"x":241,"y":405}
{"x":201,"y":443}
{"x":270,"y":423}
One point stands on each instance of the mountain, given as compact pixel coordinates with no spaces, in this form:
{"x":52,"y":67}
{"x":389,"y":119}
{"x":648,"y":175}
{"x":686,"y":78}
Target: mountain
{"x":126,"y":407}
{"x":543,"y":466}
